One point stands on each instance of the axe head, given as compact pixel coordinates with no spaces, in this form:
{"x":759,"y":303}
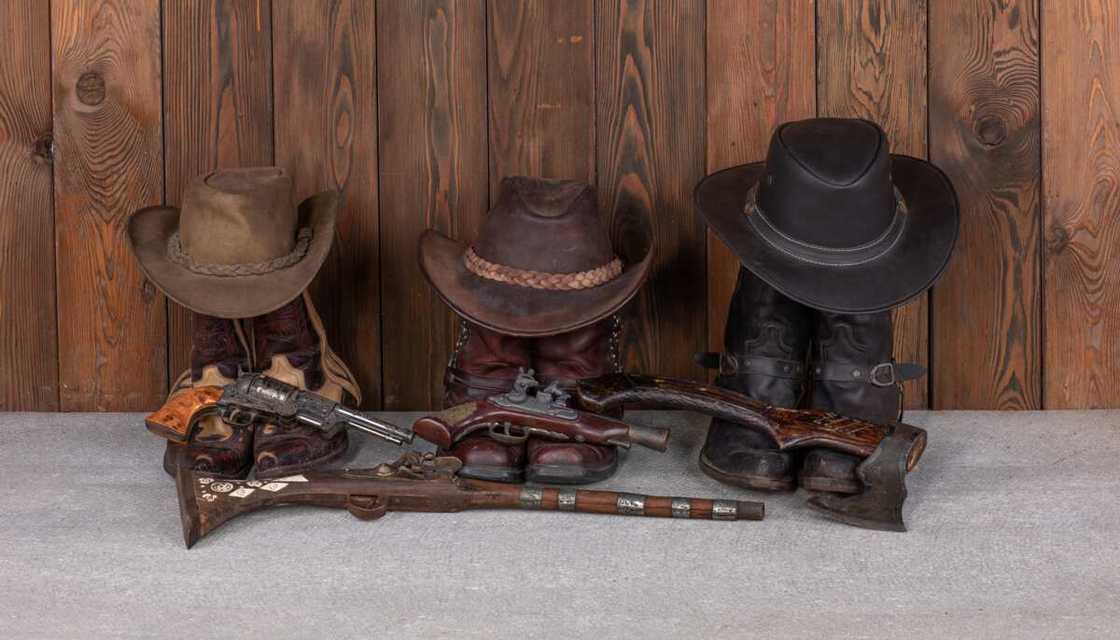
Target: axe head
{"x":883,"y":474}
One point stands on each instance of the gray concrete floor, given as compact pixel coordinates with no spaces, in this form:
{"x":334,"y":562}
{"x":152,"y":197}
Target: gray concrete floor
{"x":1014,"y":518}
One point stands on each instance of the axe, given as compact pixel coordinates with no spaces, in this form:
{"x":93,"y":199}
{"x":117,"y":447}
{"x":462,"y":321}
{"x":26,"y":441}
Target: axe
{"x":888,"y":451}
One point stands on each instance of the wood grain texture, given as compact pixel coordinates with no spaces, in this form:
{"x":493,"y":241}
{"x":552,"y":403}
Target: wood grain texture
{"x":217,"y":107}
{"x":28,"y":330}
{"x":108,"y":163}
{"x":760,"y":73}
{"x":1081,"y":136}
{"x":326,"y":133}
{"x":433,"y":174}
{"x":871,"y":63}
{"x":541,"y":89}
{"x":651,"y":127}
{"x":984,"y":133}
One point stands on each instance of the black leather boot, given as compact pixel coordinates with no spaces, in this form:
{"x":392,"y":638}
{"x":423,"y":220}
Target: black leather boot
{"x":853,"y":375}
{"x":767,"y":340}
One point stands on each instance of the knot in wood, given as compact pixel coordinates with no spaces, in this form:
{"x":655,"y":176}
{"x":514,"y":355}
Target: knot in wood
{"x":991,"y":130}
{"x":91,"y":88}
{"x":42,"y":149}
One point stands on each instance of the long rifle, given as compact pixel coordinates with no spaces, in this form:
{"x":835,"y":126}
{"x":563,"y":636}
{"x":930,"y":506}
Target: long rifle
{"x":420,"y":482}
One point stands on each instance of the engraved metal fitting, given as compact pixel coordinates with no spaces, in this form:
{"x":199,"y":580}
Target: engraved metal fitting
{"x":681,"y":507}
{"x":630,"y":504}
{"x":876,"y":376}
{"x":725,"y":510}
{"x":566,"y":500}
{"x":530,"y":498}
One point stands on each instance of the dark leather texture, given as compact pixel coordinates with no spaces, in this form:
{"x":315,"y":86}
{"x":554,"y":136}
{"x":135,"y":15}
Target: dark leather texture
{"x":214,"y":342}
{"x":761,"y":323}
{"x":828,"y":168}
{"x":287,"y":331}
{"x":486,"y":363}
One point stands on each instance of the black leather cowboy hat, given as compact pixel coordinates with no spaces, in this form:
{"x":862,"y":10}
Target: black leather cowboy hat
{"x":832,"y":219}
{"x":542,"y":263}
{"x":238,"y":247}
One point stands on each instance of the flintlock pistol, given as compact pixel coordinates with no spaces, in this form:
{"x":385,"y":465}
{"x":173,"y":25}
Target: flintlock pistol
{"x":255,"y":397}
{"x":531,"y":411}
{"x":419,"y":482}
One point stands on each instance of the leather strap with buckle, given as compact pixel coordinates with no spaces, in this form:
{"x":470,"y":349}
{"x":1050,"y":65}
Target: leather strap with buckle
{"x":883,"y":374}
{"x":730,"y":364}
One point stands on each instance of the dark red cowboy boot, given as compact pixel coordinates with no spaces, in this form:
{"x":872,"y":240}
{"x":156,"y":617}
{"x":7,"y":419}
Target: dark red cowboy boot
{"x":767,"y":341}
{"x":290,"y":345}
{"x":216,"y":447}
{"x":853,"y":375}
{"x":485,"y":363}
{"x":566,"y":358}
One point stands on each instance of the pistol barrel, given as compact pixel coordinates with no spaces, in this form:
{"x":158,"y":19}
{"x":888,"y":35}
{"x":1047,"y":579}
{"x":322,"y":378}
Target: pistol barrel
{"x":381,"y":429}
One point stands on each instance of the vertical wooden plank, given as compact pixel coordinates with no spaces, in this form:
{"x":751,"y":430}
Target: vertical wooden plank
{"x":650,"y":127}
{"x":431,"y":83}
{"x":217,"y":106}
{"x":1081,"y":136}
{"x":542,"y":93}
{"x":28,"y":329}
{"x":760,"y":74}
{"x":984,"y":132}
{"x":326,"y":132}
{"x":108,"y":162}
{"x":871,"y":63}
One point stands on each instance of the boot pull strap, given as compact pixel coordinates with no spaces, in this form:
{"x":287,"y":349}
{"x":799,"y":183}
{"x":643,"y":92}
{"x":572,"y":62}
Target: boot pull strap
{"x":883,"y":374}
{"x":731,"y":365}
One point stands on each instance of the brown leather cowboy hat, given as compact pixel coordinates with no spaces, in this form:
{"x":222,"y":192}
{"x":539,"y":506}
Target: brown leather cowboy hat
{"x":542,"y":263}
{"x":832,"y":219}
{"x":238,"y":248}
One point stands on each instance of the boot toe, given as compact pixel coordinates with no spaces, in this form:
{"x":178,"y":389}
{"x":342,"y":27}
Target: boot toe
{"x":744,"y":458}
{"x":486,"y":459}
{"x":568,"y":463}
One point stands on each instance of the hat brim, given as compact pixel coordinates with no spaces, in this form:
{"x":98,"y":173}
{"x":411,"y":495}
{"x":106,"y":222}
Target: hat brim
{"x":909,"y":268}
{"x":521,"y":311}
{"x":231,"y":296}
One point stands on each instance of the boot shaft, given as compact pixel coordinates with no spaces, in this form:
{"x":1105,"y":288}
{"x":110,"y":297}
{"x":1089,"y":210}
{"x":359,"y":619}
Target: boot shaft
{"x":853,"y":369}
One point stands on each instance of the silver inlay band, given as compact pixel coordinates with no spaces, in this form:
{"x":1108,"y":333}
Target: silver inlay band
{"x":566,"y":500}
{"x":681,"y":507}
{"x":531,"y":498}
{"x":725,"y":510}
{"x":630,"y":504}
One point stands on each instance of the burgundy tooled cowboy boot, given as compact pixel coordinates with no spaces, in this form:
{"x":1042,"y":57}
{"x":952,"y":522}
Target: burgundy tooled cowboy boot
{"x":220,"y":449}
{"x":767,"y":342}
{"x":566,"y":358}
{"x":485,"y":363}
{"x":290,"y":345}
{"x":853,"y":375}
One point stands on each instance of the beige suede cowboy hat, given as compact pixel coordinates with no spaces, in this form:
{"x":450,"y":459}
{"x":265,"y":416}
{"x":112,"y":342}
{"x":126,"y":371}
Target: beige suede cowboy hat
{"x":542,"y":263}
{"x":238,"y":247}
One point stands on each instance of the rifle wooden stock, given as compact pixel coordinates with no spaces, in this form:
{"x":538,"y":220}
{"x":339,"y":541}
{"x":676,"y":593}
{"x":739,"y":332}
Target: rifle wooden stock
{"x":454,"y":424}
{"x":175,"y":419}
{"x":419,"y":483}
{"x":789,"y":428}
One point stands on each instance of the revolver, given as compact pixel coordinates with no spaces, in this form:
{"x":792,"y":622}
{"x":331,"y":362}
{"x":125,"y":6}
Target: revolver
{"x":255,"y":397}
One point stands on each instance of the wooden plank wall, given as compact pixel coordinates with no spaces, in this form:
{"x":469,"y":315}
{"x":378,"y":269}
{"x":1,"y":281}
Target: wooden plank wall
{"x":415,"y":110}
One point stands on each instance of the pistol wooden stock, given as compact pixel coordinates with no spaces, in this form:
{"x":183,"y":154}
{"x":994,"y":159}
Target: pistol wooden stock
{"x":789,"y":428}
{"x":177,"y":417}
{"x":454,"y":424}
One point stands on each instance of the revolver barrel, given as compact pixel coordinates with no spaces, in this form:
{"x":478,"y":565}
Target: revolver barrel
{"x":383,"y":430}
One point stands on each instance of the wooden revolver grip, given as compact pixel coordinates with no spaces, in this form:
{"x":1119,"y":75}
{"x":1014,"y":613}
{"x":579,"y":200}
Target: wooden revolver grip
{"x":177,"y":416}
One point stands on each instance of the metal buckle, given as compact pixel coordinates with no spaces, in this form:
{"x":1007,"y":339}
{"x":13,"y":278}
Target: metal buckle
{"x":728,"y":364}
{"x":873,"y":376}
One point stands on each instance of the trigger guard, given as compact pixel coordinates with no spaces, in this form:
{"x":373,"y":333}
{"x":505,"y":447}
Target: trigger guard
{"x":501,"y":433}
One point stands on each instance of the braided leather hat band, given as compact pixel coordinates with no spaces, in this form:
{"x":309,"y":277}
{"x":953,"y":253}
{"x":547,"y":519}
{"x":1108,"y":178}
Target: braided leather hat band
{"x":541,"y":279}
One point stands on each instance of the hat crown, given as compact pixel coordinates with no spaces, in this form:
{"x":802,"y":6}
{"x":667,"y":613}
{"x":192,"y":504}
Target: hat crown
{"x":238,"y":216}
{"x":828,"y":182}
{"x":544,"y":225}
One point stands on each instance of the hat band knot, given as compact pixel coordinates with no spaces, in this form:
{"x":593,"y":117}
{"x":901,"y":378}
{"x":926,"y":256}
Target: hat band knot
{"x":176,"y":254}
{"x":821,"y":255}
{"x":541,"y":279}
